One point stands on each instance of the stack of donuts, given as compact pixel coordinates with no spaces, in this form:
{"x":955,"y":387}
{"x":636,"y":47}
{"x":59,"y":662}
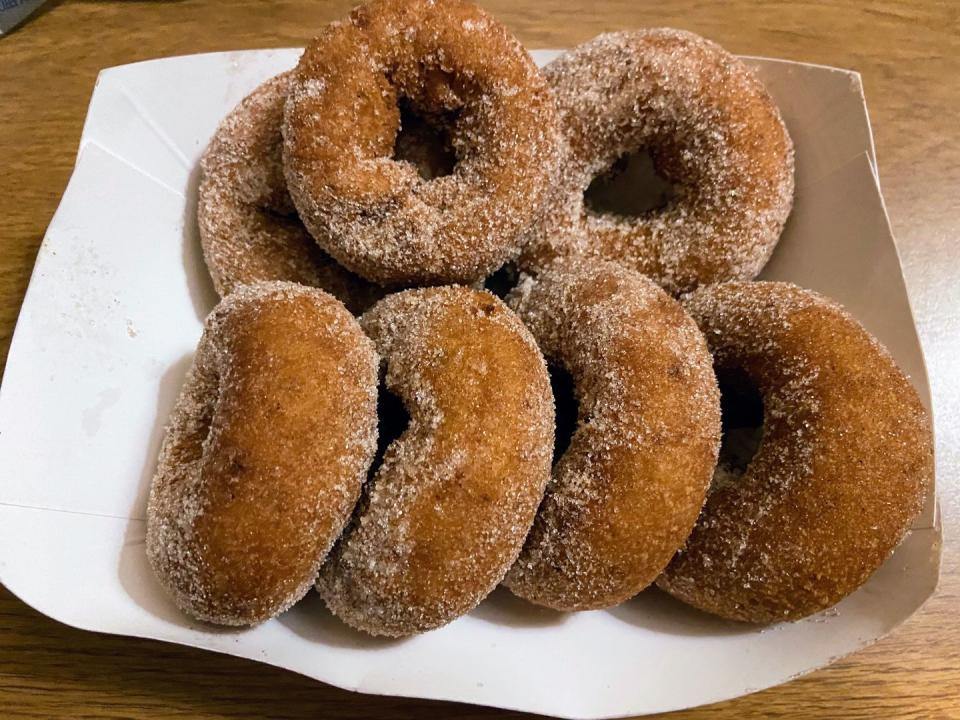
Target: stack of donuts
{"x":440,"y":363}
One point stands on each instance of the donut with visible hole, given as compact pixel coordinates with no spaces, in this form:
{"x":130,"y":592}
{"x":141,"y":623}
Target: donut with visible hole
{"x":627,"y":490}
{"x":446,"y":513}
{"x":454,"y":66}
{"x":844,"y":464}
{"x":713,"y":134}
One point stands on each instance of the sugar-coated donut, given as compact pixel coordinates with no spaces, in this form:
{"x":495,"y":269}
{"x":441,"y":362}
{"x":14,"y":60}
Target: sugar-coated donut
{"x":264,"y":455}
{"x":446,"y":60}
{"x":626,"y":492}
{"x":446,"y":513}
{"x":249,"y":230}
{"x":843,"y":467}
{"x":712,"y":131}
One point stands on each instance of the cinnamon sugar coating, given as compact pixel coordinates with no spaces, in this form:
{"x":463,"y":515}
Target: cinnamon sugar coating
{"x":421,"y":146}
{"x":627,"y":491}
{"x":249,"y":230}
{"x":843,"y":467}
{"x":712,"y":131}
{"x":446,"y":513}
{"x":376,"y":214}
{"x":264,"y":454}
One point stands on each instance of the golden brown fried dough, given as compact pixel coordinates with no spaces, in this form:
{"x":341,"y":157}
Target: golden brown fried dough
{"x":448,"y":61}
{"x":265,"y":453}
{"x":249,"y":230}
{"x":626,"y":492}
{"x":713,"y":133}
{"x":447,"y":511}
{"x":842,"y":469}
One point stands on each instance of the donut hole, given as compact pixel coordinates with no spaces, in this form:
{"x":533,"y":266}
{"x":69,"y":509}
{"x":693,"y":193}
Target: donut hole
{"x":741,"y":418}
{"x":567,"y":408}
{"x":423,"y":140}
{"x":630,"y":187}
{"x":392,"y":422}
{"x":501,"y":282}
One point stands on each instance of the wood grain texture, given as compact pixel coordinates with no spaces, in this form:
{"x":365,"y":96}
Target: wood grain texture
{"x":909,"y":55}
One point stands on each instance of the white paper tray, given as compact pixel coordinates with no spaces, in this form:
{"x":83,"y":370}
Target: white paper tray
{"x":112,"y":317}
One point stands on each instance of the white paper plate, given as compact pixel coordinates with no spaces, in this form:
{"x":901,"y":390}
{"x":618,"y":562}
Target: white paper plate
{"x":106,"y":333}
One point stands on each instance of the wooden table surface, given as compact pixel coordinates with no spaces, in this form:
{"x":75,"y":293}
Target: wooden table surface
{"x":909,"y":55}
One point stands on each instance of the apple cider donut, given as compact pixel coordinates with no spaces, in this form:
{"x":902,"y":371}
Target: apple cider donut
{"x":713,"y":133}
{"x":843,"y":466}
{"x":249,"y":230}
{"x":627,"y":490}
{"x":264,"y":455}
{"x":445,"y":515}
{"x":444,"y":59}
